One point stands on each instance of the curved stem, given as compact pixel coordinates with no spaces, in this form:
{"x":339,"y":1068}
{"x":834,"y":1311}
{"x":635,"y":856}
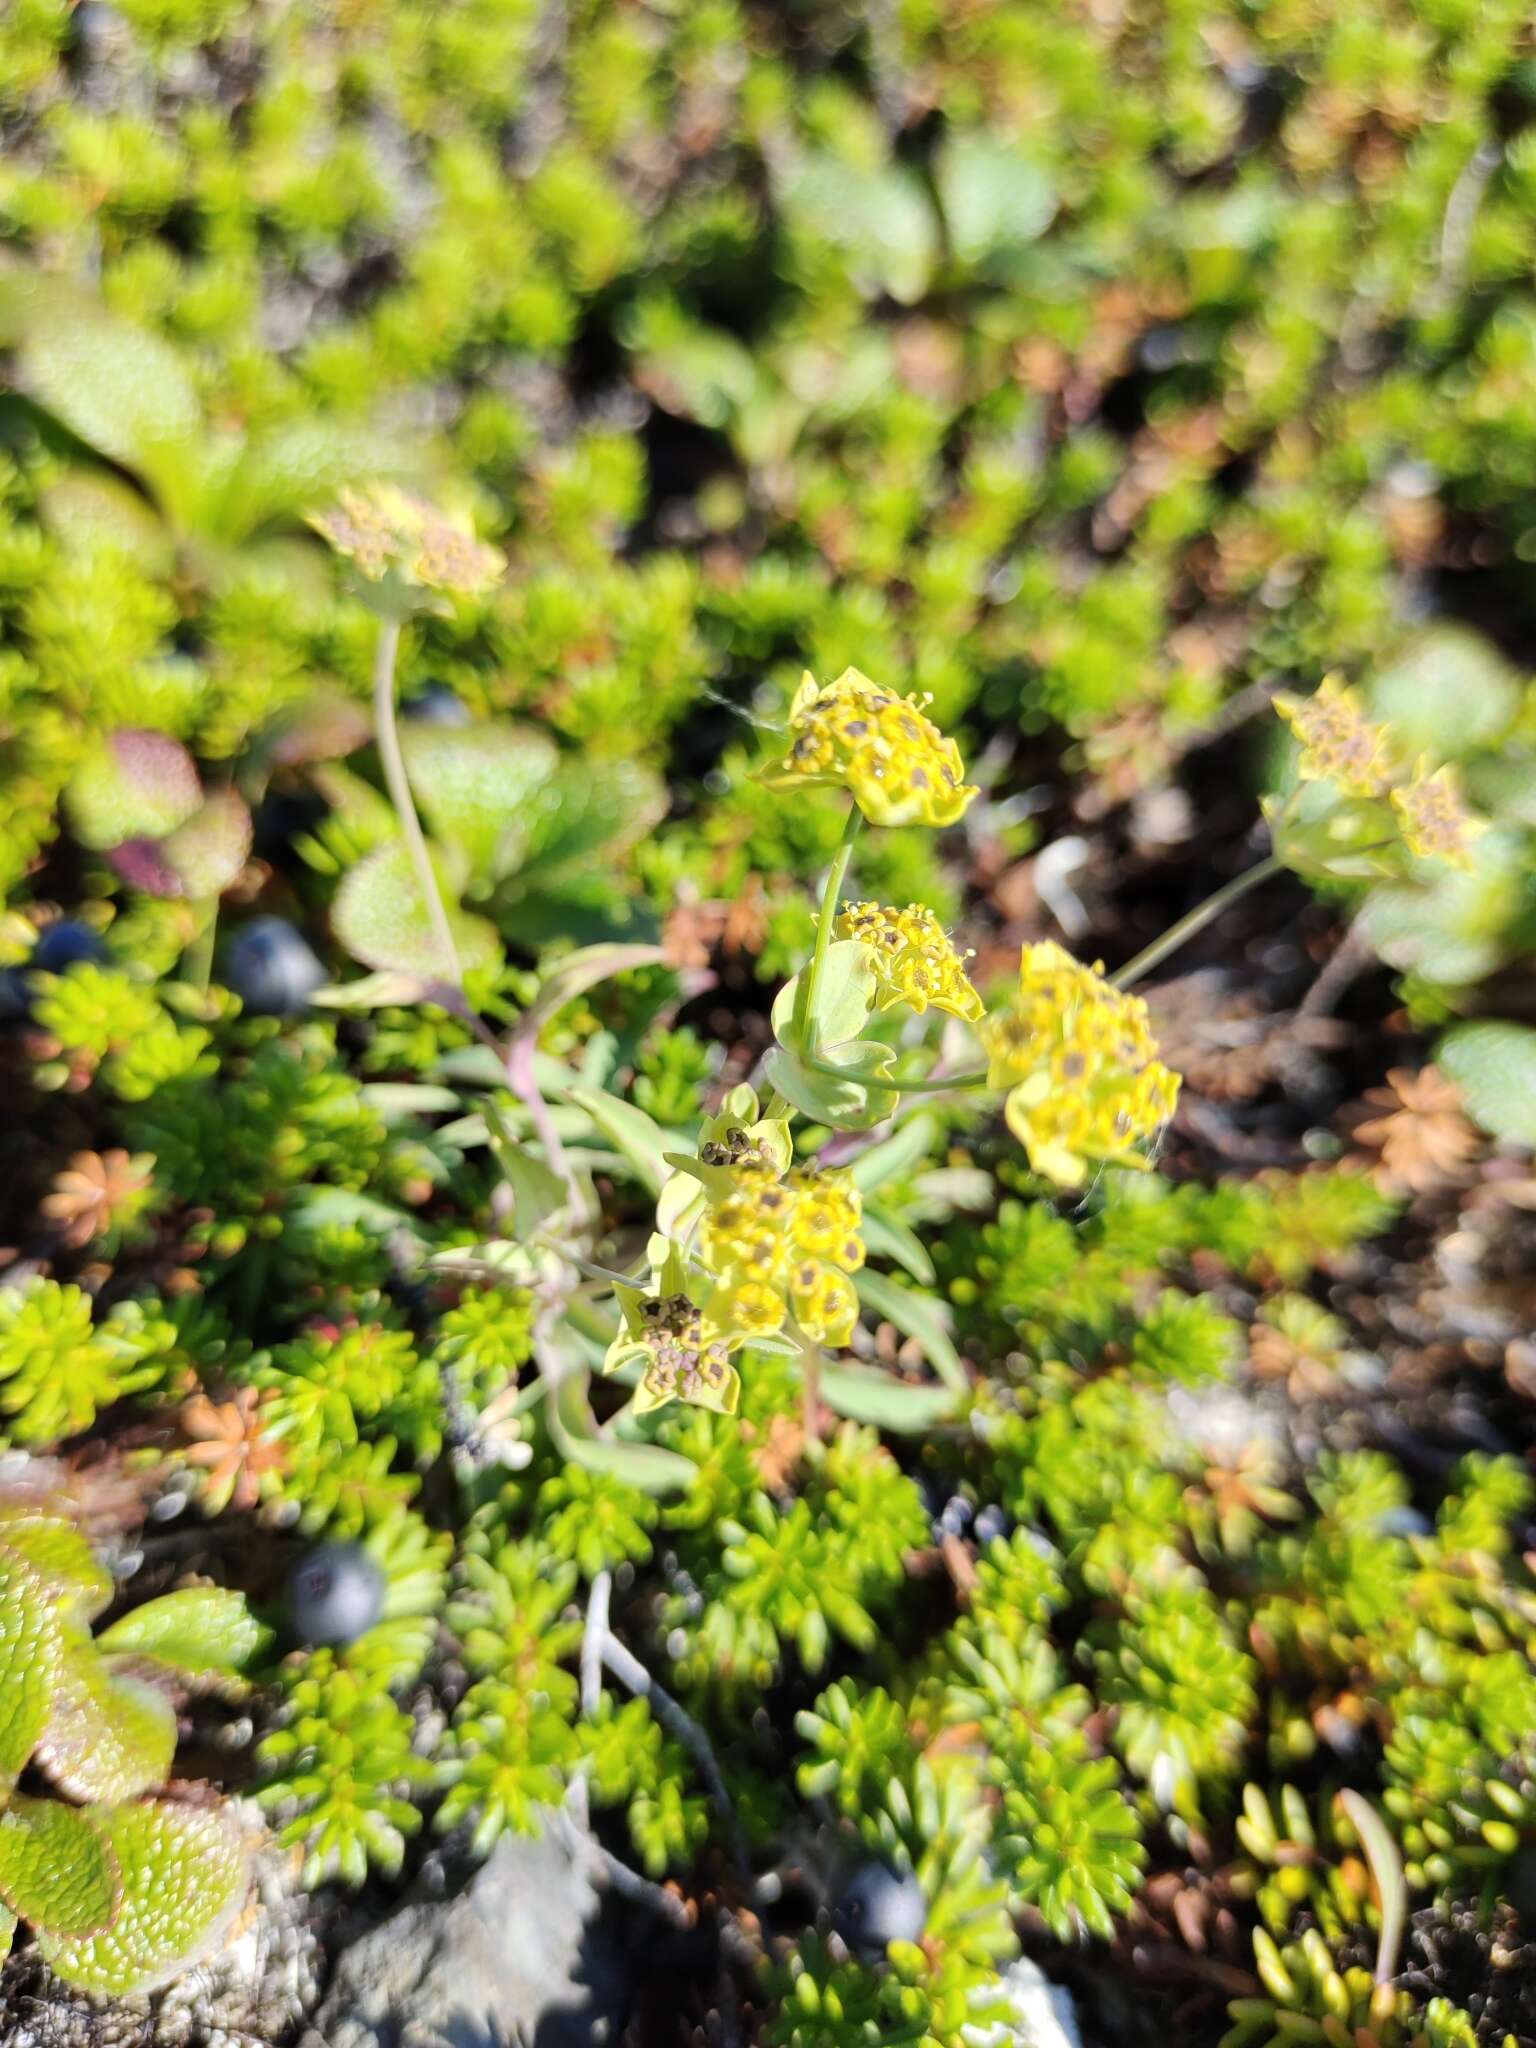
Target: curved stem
{"x":932,"y":1085}
{"x":1196,"y":920}
{"x":397,"y":782}
{"x":805,"y":995}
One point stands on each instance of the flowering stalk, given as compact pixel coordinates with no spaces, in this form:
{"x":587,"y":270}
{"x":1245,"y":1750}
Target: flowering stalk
{"x":805,"y":1011}
{"x":1195,"y":921}
{"x":387,"y":733}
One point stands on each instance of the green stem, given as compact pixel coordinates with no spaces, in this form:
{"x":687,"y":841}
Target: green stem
{"x":197,"y":966}
{"x":1195,"y":920}
{"x":397,"y":782}
{"x":805,"y":995}
{"x":975,"y":1078}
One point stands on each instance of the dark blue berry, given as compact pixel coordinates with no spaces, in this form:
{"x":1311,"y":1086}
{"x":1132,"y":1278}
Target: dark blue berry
{"x":335,"y":1595}
{"x":271,"y":968}
{"x":990,"y":1523}
{"x":957,"y":1515}
{"x":437,"y":705}
{"x":65,"y":945}
{"x":877,"y":1906}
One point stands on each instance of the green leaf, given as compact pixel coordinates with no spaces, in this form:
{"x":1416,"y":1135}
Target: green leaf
{"x":123,"y":390}
{"x":571,"y":977}
{"x":97,"y":508}
{"x":380,"y":915}
{"x":889,"y":1238}
{"x":1449,"y":695}
{"x":1456,"y":926}
{"x":586,"y":808}
{"x":8,"y":1925}
{"x":639,"y":1137}
{"x":993,"y":198}
{"x":865,"y":1395}
{"x":845,"y":993}
{"x":897,"y":1154}
{"x":208,"y":852}
{"x":538,"y":1192}
{"x":59,"y":1557}
{"x":916,"y":1315}
{"x":286,"y":470}
{"x":476,"y":784}
{"x":107,"y":1737}
{"x":649,"y":1467}
{"x":184,"y":1872}
{"x":195,"y":1631}
{"x":853,"y":1104}
{"x":397,"y":1099}
{"x":29,"y":1654}
{"x":132,"y":785}
{"x":381,"y":991}
{"x":1494,"y":1066}
{"x":56,"y":1872}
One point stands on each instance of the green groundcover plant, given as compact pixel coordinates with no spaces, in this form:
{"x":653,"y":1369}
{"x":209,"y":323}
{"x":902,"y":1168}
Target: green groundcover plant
{"x":501,"y":1093}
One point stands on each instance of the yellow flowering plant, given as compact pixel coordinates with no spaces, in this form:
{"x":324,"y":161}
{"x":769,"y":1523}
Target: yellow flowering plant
{"x":1359,"y":810}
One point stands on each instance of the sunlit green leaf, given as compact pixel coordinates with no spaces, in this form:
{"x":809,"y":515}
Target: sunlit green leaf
{"x":1494,"y":1066}
{"x":56,"y":1871}
{"x":198,"y":1630}
{"x":476,"y":784}
{"x":380,"y":915}
{"x":184,"y":1871}
{"x":107,"y":1736}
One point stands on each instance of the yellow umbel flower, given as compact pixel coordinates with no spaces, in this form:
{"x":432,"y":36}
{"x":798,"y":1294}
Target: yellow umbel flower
{"x":774,"y":1246}
{"x":884,"y":749}
{"x":683,"y":1357}
{"x":1434,"y":818}
{"x":915,"y":963}
{"x":1338,"y":742}
{"x":381,"y":530}
{"x":1080,"y":1064}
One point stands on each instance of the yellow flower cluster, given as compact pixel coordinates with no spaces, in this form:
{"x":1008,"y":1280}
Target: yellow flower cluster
{"x":381,"y":528}
{"x":1080,"y":1064}
{"x":1433,"y":817}
{"x":683,"y":1357}
{"x":781,"y":1246}
{"x":915,"y":963}
{"x":1340,"y":744}
{"x":884,"y":749}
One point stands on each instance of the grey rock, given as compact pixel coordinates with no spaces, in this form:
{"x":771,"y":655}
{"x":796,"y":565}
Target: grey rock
{"x":524,"y":1957}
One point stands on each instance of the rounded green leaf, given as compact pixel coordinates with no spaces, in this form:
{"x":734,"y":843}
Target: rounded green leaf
{"x":475,"y":783}
{"x":29,"y":1654}
{"x":56,"y":1871}
{"x":132,"y":785}
{"x":1494,"y":1066}
{"x":994,"y":198}
{"x":207,"y":854}
{"x":57,"y":1555}
{"x":1448,"y":695}
{"x":380,"y":915}
{"x":845,"y":990}
{"x":197,"y":1631}
{"x":107,"y":1736}
{"x":183,"y":1876}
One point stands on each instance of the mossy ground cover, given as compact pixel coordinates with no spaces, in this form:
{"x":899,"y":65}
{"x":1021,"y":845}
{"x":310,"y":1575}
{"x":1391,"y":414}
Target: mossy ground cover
{"x":1143,"y":1569}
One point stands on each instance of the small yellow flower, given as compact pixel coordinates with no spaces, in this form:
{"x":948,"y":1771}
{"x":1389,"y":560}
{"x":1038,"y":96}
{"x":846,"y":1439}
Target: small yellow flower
{"x":380,"y":528}
{"x":828,"y":1216}
{"x":1080,"y":1063}
{"x":1338,"y":742}
{"x":915,"y":963}
{"x":772,"y":1246}
{"x":825,"y":1304}
{"x":683,"y":1357}
{"x":883,"y":749}
{"x":1433,"y":814}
